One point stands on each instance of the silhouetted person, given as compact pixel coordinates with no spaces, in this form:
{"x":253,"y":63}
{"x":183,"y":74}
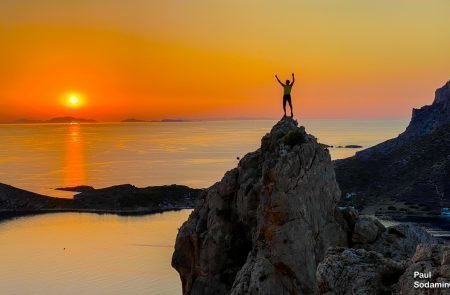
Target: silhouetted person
{"x":287,"y":93}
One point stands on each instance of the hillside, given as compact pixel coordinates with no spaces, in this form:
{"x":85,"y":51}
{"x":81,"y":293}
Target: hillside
{"x":407,"y":175}
{"x":120,"y":199}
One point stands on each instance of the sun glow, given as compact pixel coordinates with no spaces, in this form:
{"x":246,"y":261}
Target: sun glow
{"x":73,"y":100}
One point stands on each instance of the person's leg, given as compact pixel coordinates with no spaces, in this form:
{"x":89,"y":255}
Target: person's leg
{"x":290,"y":105}
{"x":284,"y":105}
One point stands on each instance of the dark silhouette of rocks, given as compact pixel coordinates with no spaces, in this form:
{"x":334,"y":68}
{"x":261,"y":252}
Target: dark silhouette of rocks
{"x":267,"y":224}
{"x":121,"y":199}
{"x":175,"y":120}
{"x":15,"y":199}
{"x":128,"y":197}
{"x":349,"y":146}
{"x":132,"y":120}
{"x":79,"y":188}
{"x":69,"y":120}
{"x":407,"y":175}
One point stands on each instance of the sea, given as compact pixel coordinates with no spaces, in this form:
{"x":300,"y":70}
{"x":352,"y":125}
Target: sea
{"x":42,"y":157}
{"x":101,"y":254}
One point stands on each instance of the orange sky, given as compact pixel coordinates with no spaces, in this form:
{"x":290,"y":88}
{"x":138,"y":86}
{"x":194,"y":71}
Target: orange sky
{"x":202,"y":59}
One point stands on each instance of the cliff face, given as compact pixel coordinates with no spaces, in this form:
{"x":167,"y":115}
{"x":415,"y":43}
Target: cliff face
{"x":429,"y":118}
{"x":423,"y":122}
{"x":267,"y":224}
{"x":406,"y":171}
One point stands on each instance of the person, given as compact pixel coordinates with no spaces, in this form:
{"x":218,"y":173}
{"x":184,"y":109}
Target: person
{"x":287,"y":93}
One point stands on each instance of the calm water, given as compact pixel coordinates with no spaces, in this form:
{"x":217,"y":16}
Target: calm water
{"x":42,"y":157}
{"x":104,"y":255}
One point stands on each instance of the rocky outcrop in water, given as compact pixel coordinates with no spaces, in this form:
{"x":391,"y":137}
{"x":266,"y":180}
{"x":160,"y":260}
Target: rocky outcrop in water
{"x":408,"y":175}
{"x":128,"y":197}
{"x":267,"y":224}
{"x":120,"y":199}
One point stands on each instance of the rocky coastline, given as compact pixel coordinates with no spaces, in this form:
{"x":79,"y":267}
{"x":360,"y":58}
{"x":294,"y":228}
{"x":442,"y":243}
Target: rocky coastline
{"x":122,"y":200}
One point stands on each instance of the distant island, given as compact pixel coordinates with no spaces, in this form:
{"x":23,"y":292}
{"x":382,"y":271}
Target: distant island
{"x":348,"y":146}
{"x":55,"y":120}
{"x":133,"y":120}
{"x":69,"y":119}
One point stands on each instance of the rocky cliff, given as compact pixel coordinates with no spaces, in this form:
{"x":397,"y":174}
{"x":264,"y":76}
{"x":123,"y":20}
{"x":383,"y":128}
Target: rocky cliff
{"x":424,"y":121}
{"x":271,"y":226}
{"x":267,"y":224}
{"x":408,"y":174}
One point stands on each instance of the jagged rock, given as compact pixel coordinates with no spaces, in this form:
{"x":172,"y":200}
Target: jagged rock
{"x":398,"y":241}
{"x":371,"y":266}
{"x":267,"y":224}
{"x":423,"y":121}
{"x":357,"y":271}
{"x":78,"y":188}
{"x":366,"y":230}
{"x":433,"y":259}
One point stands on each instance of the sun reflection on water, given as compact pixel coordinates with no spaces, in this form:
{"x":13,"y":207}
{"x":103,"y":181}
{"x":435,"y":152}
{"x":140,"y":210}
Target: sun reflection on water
{"x":74,"y":169}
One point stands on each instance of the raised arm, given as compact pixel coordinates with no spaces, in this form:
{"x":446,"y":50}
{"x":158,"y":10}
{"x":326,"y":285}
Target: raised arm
{"x":279,"y":81}
{"x":293,"y":79}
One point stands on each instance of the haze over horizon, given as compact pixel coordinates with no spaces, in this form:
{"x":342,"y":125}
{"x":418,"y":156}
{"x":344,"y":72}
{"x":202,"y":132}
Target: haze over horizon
{"x":200,"y":59}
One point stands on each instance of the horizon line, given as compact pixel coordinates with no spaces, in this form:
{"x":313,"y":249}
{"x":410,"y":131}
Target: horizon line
{"x":180,"y":120}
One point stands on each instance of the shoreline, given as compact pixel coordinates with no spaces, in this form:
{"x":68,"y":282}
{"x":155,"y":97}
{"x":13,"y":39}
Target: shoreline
{"x":11,"y":214}
{"x":123,"y":199}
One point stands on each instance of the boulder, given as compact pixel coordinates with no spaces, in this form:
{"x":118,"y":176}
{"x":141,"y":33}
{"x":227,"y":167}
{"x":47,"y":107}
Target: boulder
{"x":399,"y":241}
{"x":357,"y":271}
{"x":367,"y":230}
{"x":429,"y":269}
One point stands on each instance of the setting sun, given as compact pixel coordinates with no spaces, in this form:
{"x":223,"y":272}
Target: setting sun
{"x":74,"y":100}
